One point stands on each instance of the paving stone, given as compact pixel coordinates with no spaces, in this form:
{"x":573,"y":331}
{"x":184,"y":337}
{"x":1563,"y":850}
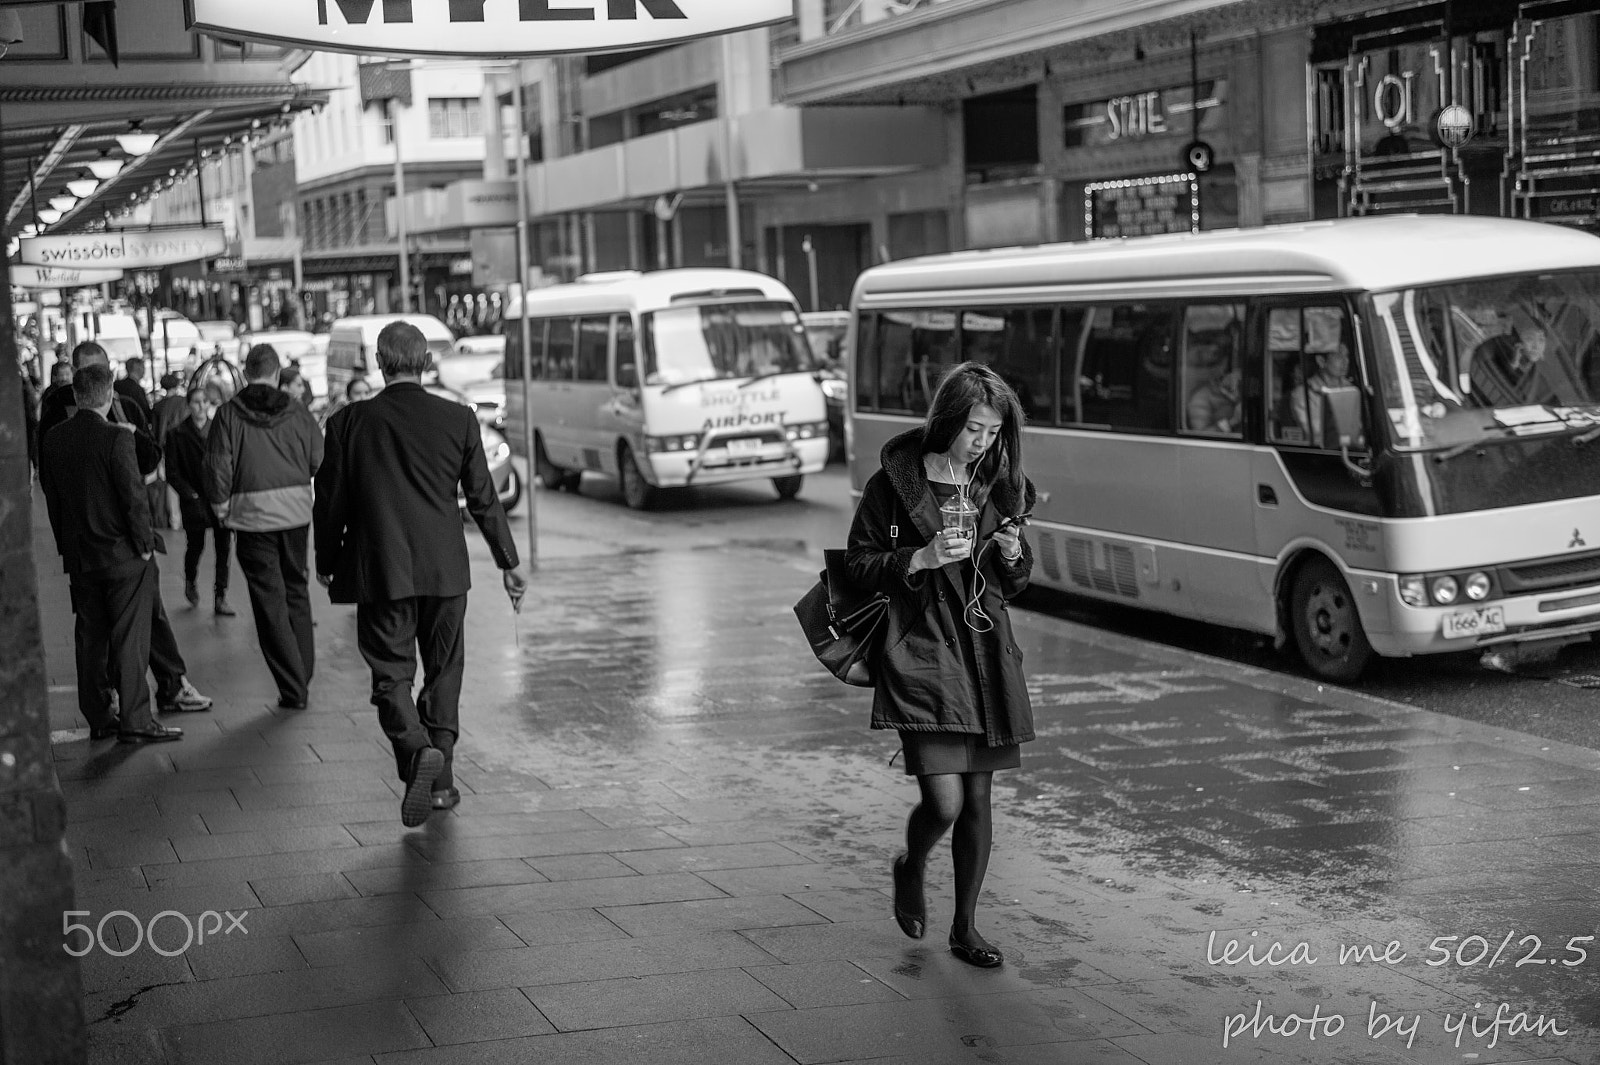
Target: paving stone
{"x":238,"y":870}
{"x":276,"y":796}
{"x":596,"y":960}
{"x":309,"y":918}
{"x":313,"y":887}
{"x":232,"y":819}
{"x":733,"y":856}
{"x":190,"y":901}
{"x":708,"y":915}
{"x":135,"y":850}
{"x":806,"y":985}
{"x":264,"y":841}
{"x":817,"y":941}
{"x":243,"y":955}
{"x":673,"y":1043}
{"x":653,"y":999}
{"x":477,"y":1016}
{"x":583,"y":894}
{"x":615,"y":841}
{"x":285,"y":1039}
{"x":580,"y":866}
{"x":100,"y":971}
{"x":381,"y":943}
{"x":388,"y":828}
{"x":785,"y":880}
{"x":561,"y":926}
{"x":443,"y":877}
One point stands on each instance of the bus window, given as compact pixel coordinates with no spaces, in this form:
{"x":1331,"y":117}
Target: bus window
{"x":1308,"y":352}
{"x":865,"y":390}
{"x":1124,"y":374}
{"x":1019,"y":345}
{"x":915,"y":349}
{"x":594,"y":336}
{"x":627,"y":375}
{"x":1071,"y":330}
{"x":559,"y":355}
{"x":511,"y":366}
{"x":1211,"y":368}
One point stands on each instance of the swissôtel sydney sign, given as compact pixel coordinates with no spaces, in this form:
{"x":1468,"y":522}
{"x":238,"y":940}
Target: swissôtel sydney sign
{"x":480,"y":27}
{"x":124,"y":249}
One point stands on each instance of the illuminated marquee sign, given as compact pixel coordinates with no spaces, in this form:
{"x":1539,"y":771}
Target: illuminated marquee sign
{"x":481,"y":27}
{"x":125,"y":249}
{"x":47,"y":277}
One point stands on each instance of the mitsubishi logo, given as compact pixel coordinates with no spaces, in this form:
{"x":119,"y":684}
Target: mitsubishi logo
{"x":1577,"y":539}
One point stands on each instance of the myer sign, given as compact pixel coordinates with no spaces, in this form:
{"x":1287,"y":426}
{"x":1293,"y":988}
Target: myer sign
{"x":48,"y":277}
{"x":126,"y":249}
{"x":480,"y":27}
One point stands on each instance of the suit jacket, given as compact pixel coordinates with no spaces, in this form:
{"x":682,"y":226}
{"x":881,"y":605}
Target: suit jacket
{"x":94,"y":494}
{"x":59,"y":406}
{"x":134,"y":393}
{"x":387,"y":525}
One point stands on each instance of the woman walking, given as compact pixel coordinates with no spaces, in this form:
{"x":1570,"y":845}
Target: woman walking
{"x":186,"y":473}
{"x":937,"y":528}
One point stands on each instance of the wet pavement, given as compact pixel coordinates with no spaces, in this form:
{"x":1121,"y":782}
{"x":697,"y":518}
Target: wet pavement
{"x":674,"y":840}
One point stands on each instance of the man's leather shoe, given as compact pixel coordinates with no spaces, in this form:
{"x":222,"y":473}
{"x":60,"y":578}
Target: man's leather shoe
{"x":291,"y":704}
{"x":418,"y":803}
{"x":447,"y":799}
{"x":153,"y":734}
{"x":104,"y":732}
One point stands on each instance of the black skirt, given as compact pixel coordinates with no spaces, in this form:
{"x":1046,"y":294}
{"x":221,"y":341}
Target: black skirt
{"x":929,"y":753}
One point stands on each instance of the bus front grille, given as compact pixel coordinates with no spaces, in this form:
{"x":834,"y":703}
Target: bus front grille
{"x":1544,"y":575}
{"x":1103,"y":567}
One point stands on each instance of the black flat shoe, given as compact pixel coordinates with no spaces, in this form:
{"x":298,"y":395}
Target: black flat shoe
{"x":291,"y":704}
{"x":105,"y":732}
{"x":913,"y":922}
{"x":154,"y":734}
{"x":984,"y":957}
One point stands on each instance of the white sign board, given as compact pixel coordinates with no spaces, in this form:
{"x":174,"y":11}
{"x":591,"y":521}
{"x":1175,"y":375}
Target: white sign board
{"x":125,"y":249}
{"x":480,"y":27}
{"x":49,"y":277}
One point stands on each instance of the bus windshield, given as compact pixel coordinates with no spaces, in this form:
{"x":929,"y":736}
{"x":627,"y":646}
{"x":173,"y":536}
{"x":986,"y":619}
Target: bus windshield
{"x":719,"y":341}
{"x":1496,"y":359}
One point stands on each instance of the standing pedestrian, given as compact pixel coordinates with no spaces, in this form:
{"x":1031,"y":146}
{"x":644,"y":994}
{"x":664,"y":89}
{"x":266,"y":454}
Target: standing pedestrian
{"x":950,"y":677}
{"x":186,"y":471}
{"x":174,"y":692}
{"x":261,"y":454}
{"x":389,"y":539}
{"x":130,"y":386}
{"x":101,"y":519}
{"x":171,"y":410}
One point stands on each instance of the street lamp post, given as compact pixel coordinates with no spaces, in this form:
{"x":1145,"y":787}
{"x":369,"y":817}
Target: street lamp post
{"x":393,"y":106}
{"x":527,"y":334}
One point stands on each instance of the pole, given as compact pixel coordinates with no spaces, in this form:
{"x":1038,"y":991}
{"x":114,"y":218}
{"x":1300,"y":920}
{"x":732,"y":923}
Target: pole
{"x":730,"y":191}
{"x":400,"y":209}
{"x":527,"y":334}
{"x":205,"y":267}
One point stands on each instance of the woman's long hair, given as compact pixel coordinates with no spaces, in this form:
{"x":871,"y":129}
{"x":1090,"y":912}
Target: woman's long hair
{"x":963,"y":388}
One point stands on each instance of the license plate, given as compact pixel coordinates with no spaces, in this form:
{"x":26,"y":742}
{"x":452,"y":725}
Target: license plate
{"x":1484,"y":621}
{"x":744,"y":445}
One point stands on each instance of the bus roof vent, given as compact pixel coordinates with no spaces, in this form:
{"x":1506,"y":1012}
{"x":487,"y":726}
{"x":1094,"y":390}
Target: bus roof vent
{"x":610,"y":275}
{"x":717,"y":293}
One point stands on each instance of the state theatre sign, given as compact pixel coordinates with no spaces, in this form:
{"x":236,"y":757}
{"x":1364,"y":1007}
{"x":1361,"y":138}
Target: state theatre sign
{"x":480,"y":27}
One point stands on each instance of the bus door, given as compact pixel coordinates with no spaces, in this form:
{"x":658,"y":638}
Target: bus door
{"x":1302,"y":491}
{"x":1215,"y":460}
{"x":590,"y":394}
{"x":622,"y":416}
{"x":554,"y":416}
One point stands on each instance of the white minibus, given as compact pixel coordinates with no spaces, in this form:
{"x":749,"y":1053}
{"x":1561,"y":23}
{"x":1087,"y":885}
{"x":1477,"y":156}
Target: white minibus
{"x":669,"y":378}
{"x":353,"y":347}
{"x":1361,"y":436}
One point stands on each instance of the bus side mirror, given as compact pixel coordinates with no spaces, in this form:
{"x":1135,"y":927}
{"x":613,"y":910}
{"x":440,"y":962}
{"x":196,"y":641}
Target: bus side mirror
{"x":627,"y":375}
{"x":1342,"y":407}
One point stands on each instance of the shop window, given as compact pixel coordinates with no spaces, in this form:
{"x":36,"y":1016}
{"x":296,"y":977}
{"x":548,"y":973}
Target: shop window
{"x":1001,"y":133}
{"x":1308,"y":352}
{"x":594,"y":336}
{"x":1212,"y":369}
{"x":914,"y":350}
{"x":558,"y":350}
{"x":1124,"y":374}
{"x":1019,"y":344}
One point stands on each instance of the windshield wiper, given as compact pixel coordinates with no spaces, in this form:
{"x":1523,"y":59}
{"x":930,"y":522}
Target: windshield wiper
{"x":1510,"y":434}
{"x":763,"y":377}
{"x":685,"y":384}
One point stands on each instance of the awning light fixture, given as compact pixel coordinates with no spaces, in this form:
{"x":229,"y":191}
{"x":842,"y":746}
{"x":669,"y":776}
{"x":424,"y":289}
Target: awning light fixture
{"x":105,"y":168}
{"x":83,"y":188}
{"x":63,"y":203}
{"x":136,"y":142}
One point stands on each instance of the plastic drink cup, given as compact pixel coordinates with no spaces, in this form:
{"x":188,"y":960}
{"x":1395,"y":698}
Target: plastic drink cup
{"x":959,"y":513}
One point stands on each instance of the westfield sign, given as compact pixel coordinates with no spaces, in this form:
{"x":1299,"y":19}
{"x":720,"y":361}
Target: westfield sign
{"x":480,"y":27}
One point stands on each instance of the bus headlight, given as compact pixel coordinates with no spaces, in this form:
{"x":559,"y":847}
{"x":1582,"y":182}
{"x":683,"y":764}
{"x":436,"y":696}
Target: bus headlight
{"x":1414,"y":591}
{"x":1445,"y":590}
{"x":1478,"y":586}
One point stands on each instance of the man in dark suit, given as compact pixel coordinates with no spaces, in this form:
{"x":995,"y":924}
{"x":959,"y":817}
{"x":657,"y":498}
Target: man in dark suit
{"x":388,"y":538}
{"x":96,"y":501}
{"x":130,"y":386}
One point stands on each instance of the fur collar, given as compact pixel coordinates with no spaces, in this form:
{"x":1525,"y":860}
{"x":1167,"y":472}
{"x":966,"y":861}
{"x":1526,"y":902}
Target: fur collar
{"x":902,"y":464}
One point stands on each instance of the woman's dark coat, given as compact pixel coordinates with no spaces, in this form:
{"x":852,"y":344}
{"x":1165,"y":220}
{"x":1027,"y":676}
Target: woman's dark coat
{"x":923,"y":679}
{"x":186,"y":474}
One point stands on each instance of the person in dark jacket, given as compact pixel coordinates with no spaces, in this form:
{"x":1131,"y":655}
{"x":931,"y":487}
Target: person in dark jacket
{"x":186,"y":473}
{"x":130,"y":386}
{"x":95,"y":497}
{"x":261,"y":454}
{"x":389,"y":540}
{"x":950,"y":676}
{"x":171,"y":410}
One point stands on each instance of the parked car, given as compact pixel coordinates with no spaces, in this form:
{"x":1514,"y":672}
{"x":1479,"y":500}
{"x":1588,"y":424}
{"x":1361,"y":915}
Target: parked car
{"x":176,"y":344}
{"x":826,"y":331}
{"x":295,"y":346}
{"x":507,"y":482}
{"x":221,"y":336}
{"x":353,"y":346}
{"x":488,"y":397}
{"x":472,"y":360}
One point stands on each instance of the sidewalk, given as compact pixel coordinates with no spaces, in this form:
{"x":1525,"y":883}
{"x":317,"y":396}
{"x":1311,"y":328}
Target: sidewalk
{"x":674,"y":839}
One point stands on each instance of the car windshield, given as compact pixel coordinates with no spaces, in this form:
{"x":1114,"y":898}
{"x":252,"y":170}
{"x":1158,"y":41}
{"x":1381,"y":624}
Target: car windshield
{"x":215,"y":330}
{"x":1492,"y":359}
{"x":719,"y":341}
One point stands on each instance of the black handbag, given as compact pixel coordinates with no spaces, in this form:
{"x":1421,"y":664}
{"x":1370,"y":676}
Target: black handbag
{"x":843,"y":622}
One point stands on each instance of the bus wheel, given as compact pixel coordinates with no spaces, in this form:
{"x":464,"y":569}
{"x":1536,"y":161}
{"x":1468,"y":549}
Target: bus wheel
{"x":548,"y":472}
{"x":1326,"y":624}
{"x":789,"y":487}
{"x":637,"y":492}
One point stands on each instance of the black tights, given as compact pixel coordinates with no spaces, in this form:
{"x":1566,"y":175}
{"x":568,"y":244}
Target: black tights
{"x":961,"y":801}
